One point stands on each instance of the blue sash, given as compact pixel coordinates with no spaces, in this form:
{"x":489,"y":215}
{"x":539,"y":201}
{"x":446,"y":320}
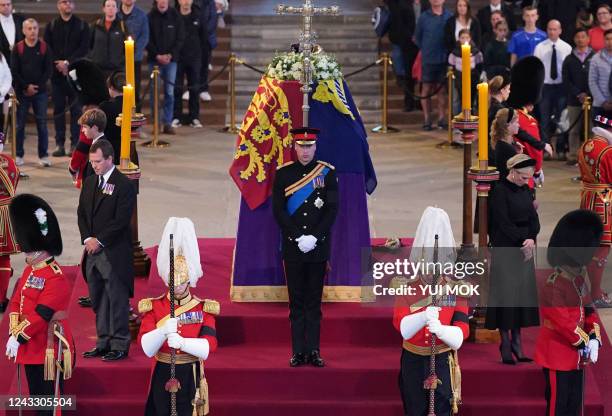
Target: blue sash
{"x":298,"y":197}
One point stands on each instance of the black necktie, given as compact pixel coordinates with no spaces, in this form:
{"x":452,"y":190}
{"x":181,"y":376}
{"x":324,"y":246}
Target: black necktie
{"x":101,"y":182}
{"x":553,"y":64}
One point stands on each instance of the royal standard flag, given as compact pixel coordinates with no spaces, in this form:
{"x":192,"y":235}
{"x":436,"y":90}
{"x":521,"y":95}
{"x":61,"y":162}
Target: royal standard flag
{"x":264,"y":141}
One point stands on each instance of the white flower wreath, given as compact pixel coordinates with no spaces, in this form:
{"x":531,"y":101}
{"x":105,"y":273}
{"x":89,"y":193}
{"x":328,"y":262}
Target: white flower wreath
{"x":288,"y":67}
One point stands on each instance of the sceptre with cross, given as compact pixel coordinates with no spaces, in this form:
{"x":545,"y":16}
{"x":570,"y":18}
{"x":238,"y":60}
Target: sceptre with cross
{"x":307,"y":41}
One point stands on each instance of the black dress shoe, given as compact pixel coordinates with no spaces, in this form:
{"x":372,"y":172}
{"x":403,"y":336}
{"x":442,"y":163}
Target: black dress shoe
{"x":115,"y":355}
{"x":85,"y":302}
{"x":96,"y":352}
{"x":315,"y":359}
{"x":4,"y":305}
{"x":297,"y":360}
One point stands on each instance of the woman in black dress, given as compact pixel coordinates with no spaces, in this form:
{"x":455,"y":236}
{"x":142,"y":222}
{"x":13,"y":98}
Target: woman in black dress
{"x":513,"y":228}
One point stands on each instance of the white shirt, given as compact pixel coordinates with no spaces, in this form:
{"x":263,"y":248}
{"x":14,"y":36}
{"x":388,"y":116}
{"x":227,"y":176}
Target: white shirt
{"x":5,"y":79}
{"x":458,"y":27}
{"x":107,"y":175}
{"x":543,"y":51}
{"x":495,"y":8}
{"x":8,"y":27}
{"x":96,"y":139}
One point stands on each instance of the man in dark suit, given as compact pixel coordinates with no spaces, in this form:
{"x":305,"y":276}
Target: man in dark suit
{"x":10,"y":29}
{"x":112,"y":108}
{"x":484,"y":17}
{"x":305,"y":202}
{"x":105,"y":209}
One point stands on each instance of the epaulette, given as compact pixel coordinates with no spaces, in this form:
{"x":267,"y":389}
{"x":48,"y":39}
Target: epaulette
{"x":284,"y":164}
{"x":211,"y":306}
{"x":146,"y":304}
{"x":329,"y":165}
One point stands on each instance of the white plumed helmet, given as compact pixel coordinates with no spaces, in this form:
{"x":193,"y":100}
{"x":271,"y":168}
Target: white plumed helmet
{"x":187,"y":267}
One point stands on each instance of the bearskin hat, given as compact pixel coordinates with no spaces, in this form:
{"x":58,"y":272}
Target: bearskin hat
{"x":89,"y":81}
{"x":575,"y":238}
{"x":527,"y":78}
{"x":35,"y":225}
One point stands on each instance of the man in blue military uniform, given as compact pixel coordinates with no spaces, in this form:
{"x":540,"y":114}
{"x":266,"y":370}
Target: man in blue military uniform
{"x":305,"y":202}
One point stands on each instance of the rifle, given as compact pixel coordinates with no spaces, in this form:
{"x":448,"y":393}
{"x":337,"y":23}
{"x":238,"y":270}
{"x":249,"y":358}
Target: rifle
{"x":172,"y":385}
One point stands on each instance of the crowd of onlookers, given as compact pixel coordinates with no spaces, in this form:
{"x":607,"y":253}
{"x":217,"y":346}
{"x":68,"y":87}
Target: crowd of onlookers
{"x":572,"y":38}
{"x":177,"y":38}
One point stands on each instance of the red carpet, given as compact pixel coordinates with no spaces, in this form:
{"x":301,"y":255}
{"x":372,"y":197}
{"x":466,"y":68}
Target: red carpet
{"x":249,"y":373}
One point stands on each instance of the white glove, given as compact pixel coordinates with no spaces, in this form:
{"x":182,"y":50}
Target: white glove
{"x":152,"y":341}
{"x":306,"y":243}
{"x":170,"y":326}
{"x":176,"y":341}
{"x":411,"y":324}
{"x":196,"y":346}
{"x":593,"y":348}
{"x":450,"y":335}
{"x":12,"y":345}
{"x":431,"y":313}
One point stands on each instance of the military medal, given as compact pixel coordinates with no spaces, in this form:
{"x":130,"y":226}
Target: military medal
{"x":108,"y":188}
{"x":318,"y":182}
{"x":35,"y":282}
{"x":318,"y":203}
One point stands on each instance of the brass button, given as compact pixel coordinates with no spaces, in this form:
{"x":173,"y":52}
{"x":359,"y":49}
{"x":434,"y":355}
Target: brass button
{"x":305,"y":213}
{"x":306,"y":201}
{"x":304,"y":227}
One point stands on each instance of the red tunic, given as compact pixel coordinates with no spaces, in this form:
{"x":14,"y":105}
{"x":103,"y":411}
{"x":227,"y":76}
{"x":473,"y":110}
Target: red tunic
{"x":454,"y":311}
{"x":80,"y":159}
{"x":195,"y":320}
{"x":567,"y":324}
{"x":595,"y":162}
{"x":41,"y":296}
{"x":530,"y":125}
{"x":9,"y":177}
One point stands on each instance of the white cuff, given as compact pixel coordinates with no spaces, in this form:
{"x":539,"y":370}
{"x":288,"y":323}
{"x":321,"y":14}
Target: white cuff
{"x":152,"y":341}
{"x":452,"y":336}
{"x":196,"y":346}
{"x":411,"y":324}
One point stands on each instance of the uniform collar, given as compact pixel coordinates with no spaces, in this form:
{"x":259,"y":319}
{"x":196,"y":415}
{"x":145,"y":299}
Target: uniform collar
{"x":43,"y":263}
{"x":181,"y":302}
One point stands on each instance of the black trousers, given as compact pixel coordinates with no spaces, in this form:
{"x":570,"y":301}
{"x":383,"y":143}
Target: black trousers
{"x":305,"y":286}
{"x":409,"y":52}
{"x":35,"y":374}
{"x":206,"y":59}
{"x":563,"y":392}
{"x":158,"y":402}
{"x":110,"y":299}
{"x":191,"y":71}
{"x":413,"y":372}
{"x":63,"y":95}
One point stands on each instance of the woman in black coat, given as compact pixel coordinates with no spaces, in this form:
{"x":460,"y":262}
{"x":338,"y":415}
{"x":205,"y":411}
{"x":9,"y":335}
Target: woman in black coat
{"x":462,"y":17}
{"x":513,"y":228}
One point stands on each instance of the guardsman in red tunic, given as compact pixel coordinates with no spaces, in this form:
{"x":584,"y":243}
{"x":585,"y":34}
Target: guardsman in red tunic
{"x":191,"y":333}
{"x":9,"y":176}
{"x":527,"y":77}
{"x":595,"y":162}
{"x":37,"y":310}
{"x":569,"y":337}
{"x":420,"y":316}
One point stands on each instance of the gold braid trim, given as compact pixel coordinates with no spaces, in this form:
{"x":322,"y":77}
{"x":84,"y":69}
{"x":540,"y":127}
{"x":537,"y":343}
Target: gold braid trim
{"x":455,"y":379}
{"x":164,"y":357}
{"x":597,"y":331}
{"x":13,"y":321}
{"x":212,"y":307}
{"x":20,"y":330}
{"x":418,"y":350}
{"x":584,"y":337}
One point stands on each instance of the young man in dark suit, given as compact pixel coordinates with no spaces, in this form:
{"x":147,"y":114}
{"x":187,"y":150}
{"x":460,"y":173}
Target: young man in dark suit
{"x":105,"y":209}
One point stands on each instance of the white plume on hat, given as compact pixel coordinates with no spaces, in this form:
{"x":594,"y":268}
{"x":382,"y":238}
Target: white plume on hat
{"x":434,"y":221}
{"x":185,"y":244}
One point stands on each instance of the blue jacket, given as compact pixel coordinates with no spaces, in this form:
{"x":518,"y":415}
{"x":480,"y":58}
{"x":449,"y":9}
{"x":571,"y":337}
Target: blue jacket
{"x":137,"y":24}
{"x":429,"y":36}
{"x":208,"y":17}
